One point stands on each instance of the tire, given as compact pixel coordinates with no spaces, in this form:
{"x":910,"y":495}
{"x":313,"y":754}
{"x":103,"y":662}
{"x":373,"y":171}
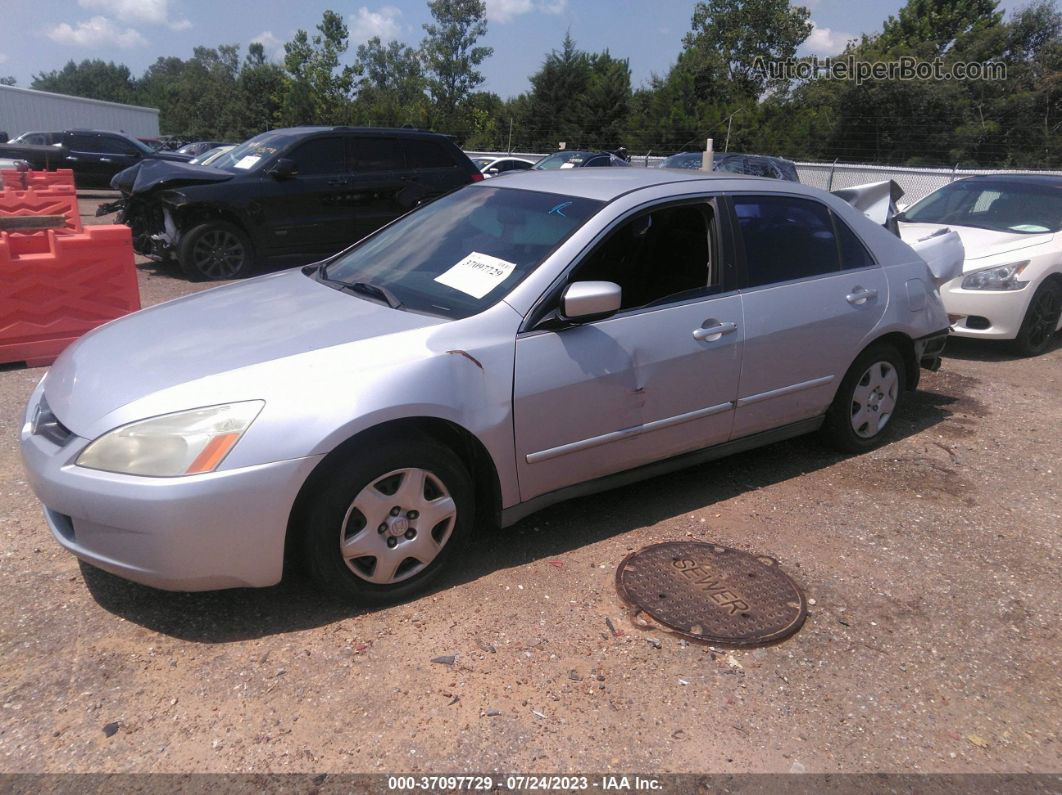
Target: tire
{"x":867,"y":401}
{"x":214,"y":251}
{"x":1041,"y":320}
{"x":353,"y":506}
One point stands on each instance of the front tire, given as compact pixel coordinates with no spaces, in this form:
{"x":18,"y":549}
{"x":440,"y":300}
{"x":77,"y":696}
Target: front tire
{"x":214,"y":251}
{"x":388,"y":521}
{"x":867,"y":401}
{"x":1041,"y":320}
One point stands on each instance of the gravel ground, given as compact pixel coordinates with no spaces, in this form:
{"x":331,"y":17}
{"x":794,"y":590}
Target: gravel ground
{"x":932,"y":645}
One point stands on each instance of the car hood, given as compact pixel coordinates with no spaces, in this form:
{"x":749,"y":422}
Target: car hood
{"x":152,"y":173}
{"x":225,"y":330}
{"x":980,"y":244}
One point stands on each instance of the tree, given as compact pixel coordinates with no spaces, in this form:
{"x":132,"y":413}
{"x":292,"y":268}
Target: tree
{"x":451,"y":55}
{"x":554,"y":111}
{"x":94,"y":78}
{"x":605,"y":106}
{"x":390,"y":84}
{"x":260,"y":85}
{"x":9,"y":80}
{"x":938,"y":23}
{"x":730,"y":35}
{"x":317,"y":90}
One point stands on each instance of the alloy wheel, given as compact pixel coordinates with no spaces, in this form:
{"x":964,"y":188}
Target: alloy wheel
{"x":218,"y":254}
{"x":1043,"y":318}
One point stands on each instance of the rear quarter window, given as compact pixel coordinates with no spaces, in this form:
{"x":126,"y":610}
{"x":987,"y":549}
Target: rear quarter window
{"x":427,"y":154}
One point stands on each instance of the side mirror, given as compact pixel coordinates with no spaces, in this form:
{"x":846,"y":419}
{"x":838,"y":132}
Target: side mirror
{"x":284,"y":168}
{"x":591,"y":300}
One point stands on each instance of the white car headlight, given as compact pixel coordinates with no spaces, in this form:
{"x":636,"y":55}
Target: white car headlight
{"x":998,"y":277}
{"x":183,"y":443}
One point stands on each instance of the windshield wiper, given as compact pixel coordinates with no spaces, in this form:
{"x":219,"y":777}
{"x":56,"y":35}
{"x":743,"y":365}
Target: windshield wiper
{"x":375,"y":291}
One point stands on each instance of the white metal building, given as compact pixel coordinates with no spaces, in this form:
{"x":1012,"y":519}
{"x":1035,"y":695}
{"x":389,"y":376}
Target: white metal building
{"x":26,"y":110}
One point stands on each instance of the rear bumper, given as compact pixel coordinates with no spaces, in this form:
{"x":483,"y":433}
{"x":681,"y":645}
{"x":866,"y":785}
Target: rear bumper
{"x":928,"y":349}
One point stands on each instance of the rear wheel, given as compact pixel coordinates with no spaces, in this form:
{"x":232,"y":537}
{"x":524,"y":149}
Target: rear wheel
{"x":866,"y":401}
{"x":387,"y":523}
{"x":1041,"y":320}
{"x":214,"y":251}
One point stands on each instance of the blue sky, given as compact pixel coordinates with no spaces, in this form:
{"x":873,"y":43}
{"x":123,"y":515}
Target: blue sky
{"x":136,"y":32}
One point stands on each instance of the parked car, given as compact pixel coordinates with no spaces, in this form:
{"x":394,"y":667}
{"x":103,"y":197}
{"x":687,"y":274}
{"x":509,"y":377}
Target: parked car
{"x":197,"y":148}
{"x":287,"y":196}
{"x":36,"y":138}
{"x":578,"y":158}
{"x":505,"y":347}
{"x":754,"y":165}
{"x":210,"y":156}
{"x":493,"y":166}
{"x":1011,"y":288}
{"x":94,"y":155}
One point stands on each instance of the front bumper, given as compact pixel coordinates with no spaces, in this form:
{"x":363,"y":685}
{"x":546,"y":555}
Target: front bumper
{"x":224,"y":529}
{"x":986,"y":314}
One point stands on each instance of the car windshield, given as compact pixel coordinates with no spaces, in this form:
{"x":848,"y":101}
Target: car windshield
{"x":482,"y":162}
{"x":252,"y":152}
{"x":561,"y":160}
{"x":461,"y":253}
{"x":999,"y":205}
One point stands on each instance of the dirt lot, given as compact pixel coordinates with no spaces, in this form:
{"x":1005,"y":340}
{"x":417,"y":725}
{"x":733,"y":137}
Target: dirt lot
{"x":933,"y":645}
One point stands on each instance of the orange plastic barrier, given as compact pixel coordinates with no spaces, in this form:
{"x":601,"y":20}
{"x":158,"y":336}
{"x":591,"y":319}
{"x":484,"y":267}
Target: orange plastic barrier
{"x":38,"y":180}
{"x":55,"y":287}
{"x":59,"y":200}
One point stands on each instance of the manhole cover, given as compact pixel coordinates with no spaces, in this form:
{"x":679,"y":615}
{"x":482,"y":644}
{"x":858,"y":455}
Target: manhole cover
{"x":712,"y":593}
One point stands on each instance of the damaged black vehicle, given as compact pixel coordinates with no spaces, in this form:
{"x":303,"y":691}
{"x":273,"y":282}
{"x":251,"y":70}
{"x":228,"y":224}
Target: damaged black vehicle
{"x":285,"y":197}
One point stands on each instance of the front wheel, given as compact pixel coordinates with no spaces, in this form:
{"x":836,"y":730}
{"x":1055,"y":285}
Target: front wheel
{"x":866,"y":401}
{"x":214,"y":251}
{"x":1041,"y":320}
{"x":384,"y":524}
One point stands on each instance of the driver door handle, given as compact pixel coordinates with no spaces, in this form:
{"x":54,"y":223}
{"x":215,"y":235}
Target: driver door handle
{"x":714,"y":331}
{"x":860,"y":295}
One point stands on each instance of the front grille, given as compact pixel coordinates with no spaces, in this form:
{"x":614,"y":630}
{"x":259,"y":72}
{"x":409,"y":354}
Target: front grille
{"x":46,"y":424}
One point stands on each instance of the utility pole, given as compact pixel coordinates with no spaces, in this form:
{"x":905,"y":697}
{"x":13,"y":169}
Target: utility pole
{"x":726,"y":143}
{"x":509,"y":148}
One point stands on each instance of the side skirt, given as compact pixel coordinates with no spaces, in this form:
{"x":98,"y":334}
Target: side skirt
{"x":517,"y":512}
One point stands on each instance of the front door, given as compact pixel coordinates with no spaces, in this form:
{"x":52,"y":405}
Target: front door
{"x":657,"y":379}
{"x":813,"y":296}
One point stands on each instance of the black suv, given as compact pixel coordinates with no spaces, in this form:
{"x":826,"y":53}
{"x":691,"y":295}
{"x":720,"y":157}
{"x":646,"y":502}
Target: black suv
{"x":94,"y":155}
{"x":285,"y":197}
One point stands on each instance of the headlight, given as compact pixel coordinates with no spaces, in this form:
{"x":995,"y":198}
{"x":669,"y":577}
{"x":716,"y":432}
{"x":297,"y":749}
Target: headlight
{"x":999,"y":277}
{"x":184,"y":443}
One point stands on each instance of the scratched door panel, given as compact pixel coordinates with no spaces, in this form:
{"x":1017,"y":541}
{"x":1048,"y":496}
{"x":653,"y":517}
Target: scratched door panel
{"x":607,"y":396}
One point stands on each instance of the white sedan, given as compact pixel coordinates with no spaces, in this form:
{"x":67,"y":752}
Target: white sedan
{"x":1011,"y":286}
{"x":493,"y":166}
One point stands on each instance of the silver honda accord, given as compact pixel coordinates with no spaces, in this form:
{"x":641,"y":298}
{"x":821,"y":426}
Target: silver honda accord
{"x":510,"y":345}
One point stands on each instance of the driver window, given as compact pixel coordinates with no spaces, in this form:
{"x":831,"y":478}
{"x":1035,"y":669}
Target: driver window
{"x":665,"y":255}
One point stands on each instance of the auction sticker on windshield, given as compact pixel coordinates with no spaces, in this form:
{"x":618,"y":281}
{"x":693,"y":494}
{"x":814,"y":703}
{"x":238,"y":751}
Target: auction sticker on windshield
{"x":477,"y":274}
{"x":248,"y":161}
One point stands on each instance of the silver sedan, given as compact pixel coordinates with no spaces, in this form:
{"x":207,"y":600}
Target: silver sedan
{"x":510,"y":345}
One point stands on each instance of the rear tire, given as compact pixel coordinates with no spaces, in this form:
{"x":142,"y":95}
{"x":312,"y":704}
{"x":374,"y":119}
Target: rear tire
{"x":388,"y":521}
{"x":867,"y":400}
{"x":214,"y":251}
{"x":1041,"y":320}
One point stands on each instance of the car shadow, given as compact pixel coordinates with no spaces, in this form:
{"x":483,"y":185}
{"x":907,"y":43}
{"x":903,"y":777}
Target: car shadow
{"x":294,"y":605}
{"x":966,"y":349}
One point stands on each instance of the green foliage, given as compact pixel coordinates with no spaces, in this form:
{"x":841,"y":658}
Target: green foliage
{"x":90,"y":78}
{"x":7,"y":80}
{"x":318,"y":88}
{"x":390,"y":85}
{"x":451,"y":56}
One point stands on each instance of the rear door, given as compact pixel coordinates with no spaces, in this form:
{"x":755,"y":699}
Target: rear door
{"x":116,"y":154}
{"x":381,"y":188}
{"x":432,"y":166}
{"x":812,"y":296}
{"x":84,"y":157}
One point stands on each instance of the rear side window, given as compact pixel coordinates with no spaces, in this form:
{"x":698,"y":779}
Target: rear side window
{"x":785,"y":238}
{"x":853,"y":253}
{"x":377,"y":154}
{"x":758,"y":167}
{"x":115,"y":146}
{"x":426,"y":154}
{"x":83,"y":143}
{"x":320,"y":156}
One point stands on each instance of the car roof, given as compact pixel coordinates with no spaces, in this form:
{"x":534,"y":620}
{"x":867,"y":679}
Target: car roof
{"x":405,"y":132}
{"x":606,"y":184}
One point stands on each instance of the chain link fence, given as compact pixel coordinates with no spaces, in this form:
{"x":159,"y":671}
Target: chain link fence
{"x":916,"y":182}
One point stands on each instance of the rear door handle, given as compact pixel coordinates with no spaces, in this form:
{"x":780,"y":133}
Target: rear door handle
{"x":860,"y":295}
{"x":338,"y":182}
{"x":106,"y":160}
{"x":714,"y":331}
